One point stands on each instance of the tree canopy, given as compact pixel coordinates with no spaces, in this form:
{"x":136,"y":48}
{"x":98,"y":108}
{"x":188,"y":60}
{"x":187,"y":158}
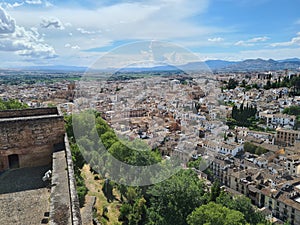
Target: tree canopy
{"x":174,"y":199}
{"x":12,"y":104}
{"x":215,"y":214}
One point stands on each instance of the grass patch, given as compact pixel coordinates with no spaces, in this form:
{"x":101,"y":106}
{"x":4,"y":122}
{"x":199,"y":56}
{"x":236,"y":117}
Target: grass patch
{"x":94,"y":183}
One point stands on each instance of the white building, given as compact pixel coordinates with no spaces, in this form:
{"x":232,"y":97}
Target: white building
{"x":292,"y":164}
{"x":274,"y":121}
{"x":223,"y":148}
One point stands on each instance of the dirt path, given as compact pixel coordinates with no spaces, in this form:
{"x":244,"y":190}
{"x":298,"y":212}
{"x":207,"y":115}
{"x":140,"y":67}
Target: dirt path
{"x":95,"y":189}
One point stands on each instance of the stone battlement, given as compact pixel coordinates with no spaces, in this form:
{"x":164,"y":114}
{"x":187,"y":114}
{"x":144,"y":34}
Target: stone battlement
{"x":36,"y":137}
{"x":28,"y":137}
{"x":28,"y":112}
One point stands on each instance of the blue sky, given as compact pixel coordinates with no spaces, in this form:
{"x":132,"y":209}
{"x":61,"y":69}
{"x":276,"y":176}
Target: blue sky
{"x":78,"y":32}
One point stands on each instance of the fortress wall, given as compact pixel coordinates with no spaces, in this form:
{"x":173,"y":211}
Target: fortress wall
{"x":40,"y":156}
{"x":75,"y":209}
{"x":31,"y":138}
{"x":37,"y":137}
{"x":63,"y":192}
{"x":28,"y":112}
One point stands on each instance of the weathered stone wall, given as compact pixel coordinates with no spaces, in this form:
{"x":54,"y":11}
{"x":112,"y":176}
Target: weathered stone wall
{"x":60,"y":204}
{"x":76,"y":217}
{"x":31,"y":138}
{"x":64,"y":207}
{"x":28,"y":112}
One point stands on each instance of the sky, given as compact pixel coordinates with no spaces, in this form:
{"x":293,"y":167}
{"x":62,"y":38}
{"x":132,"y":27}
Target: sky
{"x":80,"y":32}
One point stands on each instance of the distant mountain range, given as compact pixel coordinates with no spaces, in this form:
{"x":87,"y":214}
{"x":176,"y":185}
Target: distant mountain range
{"x":260,"y":65}
{"x":56,"y":68}
{"x":214,"y":65}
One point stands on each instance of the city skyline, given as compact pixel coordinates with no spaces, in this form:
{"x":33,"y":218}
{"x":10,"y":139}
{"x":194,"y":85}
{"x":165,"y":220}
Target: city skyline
{"x":39,"y":32}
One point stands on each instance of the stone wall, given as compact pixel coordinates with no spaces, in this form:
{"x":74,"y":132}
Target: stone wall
{"x":64,"y":207}
{"x":28,"y":112}
{"x":31,"y":138}
{"x":75,"y":209}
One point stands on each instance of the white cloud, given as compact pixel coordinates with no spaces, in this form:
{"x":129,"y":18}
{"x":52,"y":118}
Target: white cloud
{"x":7,"y":24}
{"x":7,"y":5}
{"x":45,"y":3}
{"x":293,"y":41}
{"x":52,"y":22}
{"x":252,"y":41}
{"x":74,"y":47}
{"x":24,"y":42}
{"x":68,"y":24}
{"x":34,"y":2}
{"x":83,"y":31}
{"x":216,"y":39}
{"x":140,"y":19}
{"x":48,"y":4}
{"x":16,"y":4}
{"x":243,"y":43}
{"x":258,"y":39}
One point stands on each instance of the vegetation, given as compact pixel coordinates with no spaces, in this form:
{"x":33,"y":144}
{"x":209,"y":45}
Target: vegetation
{"x":243,"y":205}
{"x":181,"y":199}
{"x":253,"y":149}
{"x":195,"y":164}
{"x":232,"y":84}
{"x":215,"y":214}
{"x":78,"y":161}
{"x":243,"y":116}
{"x":174,"y":199}
{"x":293,"y":83}
{"x":40,"y":77}
{"x":12,"y":104}
{"x":294,"y":110}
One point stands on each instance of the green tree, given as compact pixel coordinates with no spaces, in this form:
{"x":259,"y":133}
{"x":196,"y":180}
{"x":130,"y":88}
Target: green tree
{"x":125,"y":211}
{"x":12,"y":104}
{"x":215,"y":214}
{"x":244,"y":83}
{"x":215,"y":191}
{"x":195,"y":164}
{"x":108,"y":190}
{"x":243,"y":116}
{"x":295,"y":83}
{"x":243,"y":205}
{"x":138,"y":214}
{"x":248,"y":147}
{"x":292,"y":110}
{"x":232,"y":84}
{"x":108,"y":139}
{"x":253,"y":149}
{"x":174,"y":199}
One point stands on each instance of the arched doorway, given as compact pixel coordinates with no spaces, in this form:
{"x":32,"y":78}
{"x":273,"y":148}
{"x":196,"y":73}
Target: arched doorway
{"x":13,"y":161}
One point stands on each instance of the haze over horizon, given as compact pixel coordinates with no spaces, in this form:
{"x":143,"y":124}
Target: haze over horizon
{"x":52,"y":32}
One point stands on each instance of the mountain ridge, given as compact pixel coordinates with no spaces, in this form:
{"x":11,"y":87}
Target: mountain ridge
{"x":214,"y":65}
